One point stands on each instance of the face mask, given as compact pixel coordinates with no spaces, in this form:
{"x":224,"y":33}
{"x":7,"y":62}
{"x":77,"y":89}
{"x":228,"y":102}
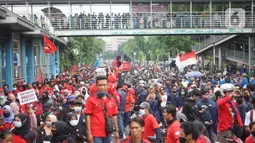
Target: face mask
{"x":253,"y":133}
{"x":141,"y":112}
{"x":182,"y":93}
{"x":71,"y":102}
{"x":14,"y":88}
{"x":17,"y":124}
{"x":182,"y":139}
{"x":205,"y":99}
{"x":48,"y":123}
{"x":74,"y":122}
{"x":102,"y":94}
{"x":47,"y":113}
{"x":6,"y":115}
{"x":77,"y":109}
{"x":239,"y":101}
{"x":246,"y":98}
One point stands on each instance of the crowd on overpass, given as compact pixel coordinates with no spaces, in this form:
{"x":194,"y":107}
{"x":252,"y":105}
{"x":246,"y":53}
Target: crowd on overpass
{"x":137,"y":20}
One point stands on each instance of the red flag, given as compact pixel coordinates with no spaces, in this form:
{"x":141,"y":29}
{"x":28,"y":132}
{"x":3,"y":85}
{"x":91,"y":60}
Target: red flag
{"x":48,"y":43}
{"x":188,"y":59}
{"x":47,"y":50}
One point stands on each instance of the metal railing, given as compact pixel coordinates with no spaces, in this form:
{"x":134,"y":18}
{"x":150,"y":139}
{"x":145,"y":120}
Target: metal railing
{"x":237,"y":55}
{"x":216,"y":19}
{"x":208,"y":41}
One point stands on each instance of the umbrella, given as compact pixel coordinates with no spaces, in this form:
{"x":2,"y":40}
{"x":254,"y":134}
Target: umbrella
{"x":54,"y":12}
{"x":227,"y":87}
{"x":194,"y":74}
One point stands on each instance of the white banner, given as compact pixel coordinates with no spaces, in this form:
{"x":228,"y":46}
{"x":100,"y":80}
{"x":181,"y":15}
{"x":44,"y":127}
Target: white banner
{"x":27,"y":96}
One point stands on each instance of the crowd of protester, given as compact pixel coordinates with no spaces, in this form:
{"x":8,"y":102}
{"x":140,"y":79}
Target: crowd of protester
{"x":147,"y":104}
{"x":136,"y":20}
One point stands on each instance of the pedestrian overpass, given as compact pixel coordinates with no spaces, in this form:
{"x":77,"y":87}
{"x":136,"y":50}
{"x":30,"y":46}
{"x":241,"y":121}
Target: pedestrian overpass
{"x":222,"y":28}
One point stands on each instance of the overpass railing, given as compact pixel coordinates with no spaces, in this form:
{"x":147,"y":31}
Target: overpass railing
{"x":216,"y":19}
{"x":208,"y":41}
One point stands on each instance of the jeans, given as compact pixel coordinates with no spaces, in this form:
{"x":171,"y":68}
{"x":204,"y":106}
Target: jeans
{"x":121,"y":123}
{"x":107,"y":139}
{"x":127,"y":116}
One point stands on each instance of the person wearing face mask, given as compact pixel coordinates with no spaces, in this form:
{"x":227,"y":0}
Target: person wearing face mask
{"x":78,"y":112}
{"x":68,"y":107}
{"x":241,"y":106}
{"x":251,"y":138}
{"x":6,"y":89}
{"x":47,"y":134}
{"x":21,"y":133}
{"x":8,"y":116}
{"x":173,"y":97}
{"x":190,"y":133}
{"x":207,"y":110}
{"x":15,"y":89}
{"x":250,"y":116}
{"x":95,"y":114}
{"x":60,"y":133}
{"x":151,"y":125}
{"x":45,"y":98}
{"x":77,"y":129}
{"x":47,"y":108}
{"x":136,"y":126}
{"x":173,"y":129}
{"x":154,"y":104}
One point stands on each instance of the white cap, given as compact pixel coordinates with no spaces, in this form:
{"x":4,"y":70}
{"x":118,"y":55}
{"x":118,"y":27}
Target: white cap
{"x":100,"y":72}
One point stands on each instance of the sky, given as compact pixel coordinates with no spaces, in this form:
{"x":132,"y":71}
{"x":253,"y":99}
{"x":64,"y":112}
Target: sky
{"x":97,"y":8}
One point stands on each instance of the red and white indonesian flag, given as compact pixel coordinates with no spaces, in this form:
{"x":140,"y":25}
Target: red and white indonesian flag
{"x":185,"y":60}
{"x":188,"y":59}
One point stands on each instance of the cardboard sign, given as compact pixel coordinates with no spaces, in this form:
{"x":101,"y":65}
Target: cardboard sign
{"x":27,"y":96}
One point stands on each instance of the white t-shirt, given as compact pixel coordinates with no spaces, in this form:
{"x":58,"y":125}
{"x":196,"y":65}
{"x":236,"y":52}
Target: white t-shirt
{"x":248,"y":118}
{"x":164,"y":100}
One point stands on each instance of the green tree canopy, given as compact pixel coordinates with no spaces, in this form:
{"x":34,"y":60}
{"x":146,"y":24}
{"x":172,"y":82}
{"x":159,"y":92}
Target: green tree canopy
{"x":81,"y":50}
{"x":156,"y":47}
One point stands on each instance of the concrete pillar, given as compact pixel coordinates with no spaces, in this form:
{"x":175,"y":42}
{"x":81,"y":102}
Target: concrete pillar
{"x":48,"y":66}
{"x":58,"y":63}
{"x":31,"y":67}
{"x":131,"y":14}
{"x":214,"y":55}
{"x":9,"y":61}
{"x":24,"y":60}
{"x":251,"y":46}
{"x":53,"y":64}
{"x":202,"y":61}
{"x":220,"y":58}
{"x":41,"y":58}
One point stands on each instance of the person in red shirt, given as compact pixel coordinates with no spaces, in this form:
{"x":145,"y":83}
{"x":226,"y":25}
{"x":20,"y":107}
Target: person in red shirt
{"x":95,"y":120}
{"x":136,"y":130}
{"x":227,"y":113}
{"x":151,"y":125}
{"x":251,"y":138}
{"x":173,"y":130}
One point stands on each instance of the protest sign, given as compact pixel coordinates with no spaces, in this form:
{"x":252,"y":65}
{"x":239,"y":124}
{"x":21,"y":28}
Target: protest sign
{"x":27,"y":96}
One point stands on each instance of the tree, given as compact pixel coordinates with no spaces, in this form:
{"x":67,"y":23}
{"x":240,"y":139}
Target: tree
{"x":156,"y":47}
{"x":81,"y":51}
